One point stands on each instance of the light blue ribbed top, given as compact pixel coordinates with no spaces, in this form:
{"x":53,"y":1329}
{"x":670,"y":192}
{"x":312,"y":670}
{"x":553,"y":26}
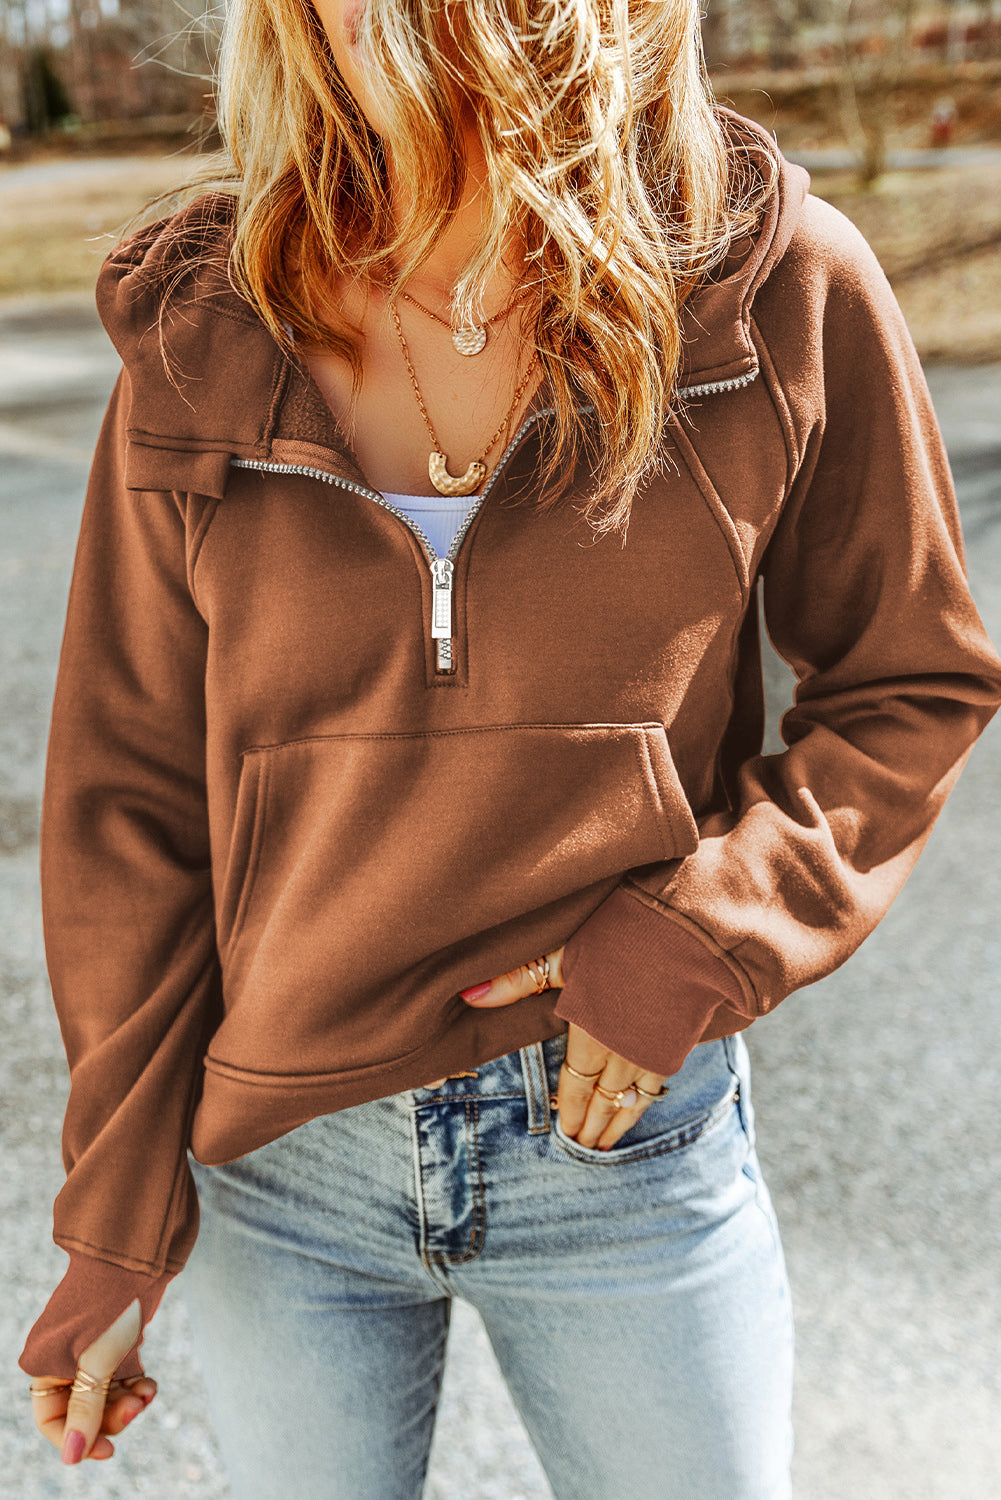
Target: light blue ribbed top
{"x":438,"y":516}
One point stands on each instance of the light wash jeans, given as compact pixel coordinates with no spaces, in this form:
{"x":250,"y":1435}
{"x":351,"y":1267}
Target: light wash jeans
{"x":636,"y":1299}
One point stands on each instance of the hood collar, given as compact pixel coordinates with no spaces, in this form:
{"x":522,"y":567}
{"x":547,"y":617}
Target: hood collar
{"x":716,"y":320}
{"x":224,"y":389}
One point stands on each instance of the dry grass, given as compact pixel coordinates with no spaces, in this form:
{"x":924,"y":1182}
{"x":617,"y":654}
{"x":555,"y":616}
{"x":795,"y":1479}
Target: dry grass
{"x":954,"y":312}
{"x":54,"y":234}
{"x":937,"y":234}
{"x":915,"y":219}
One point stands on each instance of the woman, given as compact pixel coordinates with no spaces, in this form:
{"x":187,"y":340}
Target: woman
{"x":410,"y":865}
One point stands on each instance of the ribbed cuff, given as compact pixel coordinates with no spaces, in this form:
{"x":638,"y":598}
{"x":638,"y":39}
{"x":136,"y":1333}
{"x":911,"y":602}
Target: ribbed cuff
{"x":643,"y":984}
{"x":91,"y":1295}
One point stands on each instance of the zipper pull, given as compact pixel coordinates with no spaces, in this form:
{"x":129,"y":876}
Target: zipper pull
{"x":441,"y":612}
{"x":441,"y":599}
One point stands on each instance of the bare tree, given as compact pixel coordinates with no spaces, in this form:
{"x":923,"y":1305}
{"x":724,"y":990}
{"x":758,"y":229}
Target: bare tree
{"x":785,"y":23}
{"x":873,"y":46}
{"x":15,"y":41}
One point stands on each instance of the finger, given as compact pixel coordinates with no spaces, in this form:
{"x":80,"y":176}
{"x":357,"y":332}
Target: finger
{"x":48,"y":1409}
{"x":607,"y":1120}
{"x":126,"y":1399}
{"x":600,"y":1114}
{"x":52,"y":1425}
{"x":84,"y":1417}
{"x":121,"y":1408}
{"x":625,"y":1118}
{"x":85,"y":1411}
{"x":514,"y":985}
{"x":584,"y":1055}
{"x":143,"y":1386}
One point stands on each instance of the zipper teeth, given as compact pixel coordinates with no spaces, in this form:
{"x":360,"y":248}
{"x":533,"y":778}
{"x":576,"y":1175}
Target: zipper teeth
{"x":267,"y":467}
{"x":720,"y":385}
{"x":689,"y":390}
{"x":307,"y":472}
{"x":546,"y":411}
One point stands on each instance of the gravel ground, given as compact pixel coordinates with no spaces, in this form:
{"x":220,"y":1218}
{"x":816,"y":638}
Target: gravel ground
{"x":875,"y":1090}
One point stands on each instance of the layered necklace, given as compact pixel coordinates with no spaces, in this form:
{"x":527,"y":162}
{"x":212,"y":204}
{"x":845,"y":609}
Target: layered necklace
{"x":469,"y":340}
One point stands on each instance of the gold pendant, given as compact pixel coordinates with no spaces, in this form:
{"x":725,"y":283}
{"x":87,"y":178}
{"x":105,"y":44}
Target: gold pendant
{"x":446,"y":483}
{"x":469,"y":340}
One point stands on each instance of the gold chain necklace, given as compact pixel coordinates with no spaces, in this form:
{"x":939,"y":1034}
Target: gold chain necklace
{"x":444,"y":482}
{"x":471,"y":338}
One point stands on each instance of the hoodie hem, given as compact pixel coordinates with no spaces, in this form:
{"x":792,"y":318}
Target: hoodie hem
{"x":240,"y":1111}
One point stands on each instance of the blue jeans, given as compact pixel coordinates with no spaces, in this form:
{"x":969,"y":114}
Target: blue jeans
{"x":636,"y":1299}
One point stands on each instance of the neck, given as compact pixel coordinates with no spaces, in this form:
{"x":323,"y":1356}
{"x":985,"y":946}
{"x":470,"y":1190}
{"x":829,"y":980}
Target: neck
{"x":466,"y":228}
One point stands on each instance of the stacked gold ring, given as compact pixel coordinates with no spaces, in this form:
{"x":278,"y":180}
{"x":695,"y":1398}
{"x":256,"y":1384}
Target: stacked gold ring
{"x":86,"y":1385}
{"x":539,"y":970}
{"x":616,"y":1095}
{"x":82,"y":1384}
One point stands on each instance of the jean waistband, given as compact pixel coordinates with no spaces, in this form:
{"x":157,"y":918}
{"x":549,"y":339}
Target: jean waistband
{"x":526,"y":1071}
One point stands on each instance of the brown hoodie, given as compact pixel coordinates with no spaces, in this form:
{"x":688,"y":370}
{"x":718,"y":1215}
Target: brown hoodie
{"x":285,"y":821}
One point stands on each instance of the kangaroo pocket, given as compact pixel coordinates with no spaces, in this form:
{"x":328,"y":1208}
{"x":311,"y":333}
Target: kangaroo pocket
{"x":371,"y":877}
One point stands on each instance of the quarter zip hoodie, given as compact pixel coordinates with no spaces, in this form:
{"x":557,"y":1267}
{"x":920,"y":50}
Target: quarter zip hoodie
{"x":307,"y":781}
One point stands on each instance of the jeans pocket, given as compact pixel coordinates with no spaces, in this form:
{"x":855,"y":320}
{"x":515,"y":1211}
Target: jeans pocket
{"x":651,"y":1135}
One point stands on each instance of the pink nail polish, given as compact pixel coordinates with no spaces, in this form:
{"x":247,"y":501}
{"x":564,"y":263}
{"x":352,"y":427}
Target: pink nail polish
{"x":73,"y":1445}
{"x":476,"y":991}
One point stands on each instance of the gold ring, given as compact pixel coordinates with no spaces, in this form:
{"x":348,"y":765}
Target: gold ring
{"x":55,"y":1389}
{"x":585,"y":1076}
{"x":647,"y":1094}
{"x":618,"y":1096}
{"x":87,"y":1385}
{"x":542,"y":977}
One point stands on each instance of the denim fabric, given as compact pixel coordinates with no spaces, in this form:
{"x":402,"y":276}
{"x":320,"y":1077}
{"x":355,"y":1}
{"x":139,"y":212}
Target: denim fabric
{"x":636,"y":1299}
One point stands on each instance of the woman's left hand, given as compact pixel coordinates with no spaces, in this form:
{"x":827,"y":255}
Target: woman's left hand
{"x":585,"y":1114}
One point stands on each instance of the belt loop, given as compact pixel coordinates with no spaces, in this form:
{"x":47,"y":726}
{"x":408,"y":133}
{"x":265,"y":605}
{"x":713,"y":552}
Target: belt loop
{"x":533,"y":1068}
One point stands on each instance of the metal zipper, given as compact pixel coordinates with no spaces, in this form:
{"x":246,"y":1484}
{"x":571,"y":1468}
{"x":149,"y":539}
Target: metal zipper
{"x":443,"y":568}
{"x":441,"y":593}
{"x":720,"y":385}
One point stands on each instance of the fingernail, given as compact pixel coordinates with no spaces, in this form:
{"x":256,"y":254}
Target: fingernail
{"x":133,"y":1413}
{"x":73,"y":1445}
{"x":477,"y":991}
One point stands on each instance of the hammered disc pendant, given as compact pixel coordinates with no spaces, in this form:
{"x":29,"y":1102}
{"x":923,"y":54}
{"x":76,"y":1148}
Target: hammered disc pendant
{"x":446,"y":483}
{"x":469,"y":340}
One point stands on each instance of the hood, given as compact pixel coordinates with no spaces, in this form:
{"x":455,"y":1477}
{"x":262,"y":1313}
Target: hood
{"x":716,"y":320}
{"x":209,"y":381}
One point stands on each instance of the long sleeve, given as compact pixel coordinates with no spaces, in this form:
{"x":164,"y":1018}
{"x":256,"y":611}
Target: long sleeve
{"x":866,"y":597}
{"x":126,"y":906}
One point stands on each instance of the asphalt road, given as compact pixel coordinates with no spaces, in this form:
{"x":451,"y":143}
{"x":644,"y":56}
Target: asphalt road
{"x":876,"y":1091}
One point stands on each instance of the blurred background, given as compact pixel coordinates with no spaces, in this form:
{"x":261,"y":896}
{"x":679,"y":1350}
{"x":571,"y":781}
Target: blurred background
{"x":876,"y":1090}
{"x":895,"y":106}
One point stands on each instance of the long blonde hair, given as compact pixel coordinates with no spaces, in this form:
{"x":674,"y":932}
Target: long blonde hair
{"x":603,"y":147}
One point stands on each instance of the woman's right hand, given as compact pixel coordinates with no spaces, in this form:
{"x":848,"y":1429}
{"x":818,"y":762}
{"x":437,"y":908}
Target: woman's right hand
{"x":79,"y":1423}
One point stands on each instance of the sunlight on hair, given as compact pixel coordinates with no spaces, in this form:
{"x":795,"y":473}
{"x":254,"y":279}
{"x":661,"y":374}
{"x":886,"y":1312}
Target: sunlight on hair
{"x":603,"y":146}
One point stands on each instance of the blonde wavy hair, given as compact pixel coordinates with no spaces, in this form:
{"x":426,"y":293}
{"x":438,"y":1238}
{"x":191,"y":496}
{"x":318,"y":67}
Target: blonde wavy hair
{"x":603,"y":148}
